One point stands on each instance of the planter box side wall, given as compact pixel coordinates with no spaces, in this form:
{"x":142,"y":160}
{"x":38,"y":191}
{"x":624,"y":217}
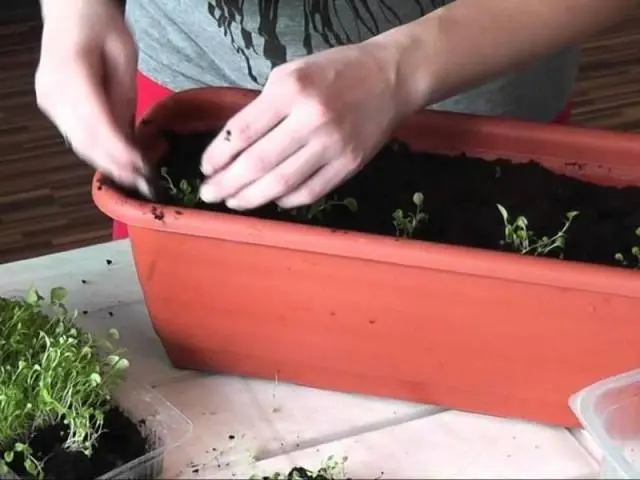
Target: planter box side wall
{"x":314,"y":326}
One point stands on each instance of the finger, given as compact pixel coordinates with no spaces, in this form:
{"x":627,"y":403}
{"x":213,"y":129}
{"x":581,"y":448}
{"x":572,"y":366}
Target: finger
{"x":316,"y":187}
{"x":282,"y":180}
{"x":241,"y":131}
{"x":258,"y":160}
{"x":81,"y":112}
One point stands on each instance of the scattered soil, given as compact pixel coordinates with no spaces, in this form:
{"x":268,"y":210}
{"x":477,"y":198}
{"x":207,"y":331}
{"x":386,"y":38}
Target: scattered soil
{"x":460,"y":197}
{"x":301,"y":473}
{"x":121,"y":442}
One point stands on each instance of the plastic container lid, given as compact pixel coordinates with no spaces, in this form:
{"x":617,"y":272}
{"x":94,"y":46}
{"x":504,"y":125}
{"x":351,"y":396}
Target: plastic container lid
{"x":609,"y":410}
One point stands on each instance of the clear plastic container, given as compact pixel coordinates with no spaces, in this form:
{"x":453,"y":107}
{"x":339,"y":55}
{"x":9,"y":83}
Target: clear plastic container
{"x":165,"y":427}
{"x":610,"y":412}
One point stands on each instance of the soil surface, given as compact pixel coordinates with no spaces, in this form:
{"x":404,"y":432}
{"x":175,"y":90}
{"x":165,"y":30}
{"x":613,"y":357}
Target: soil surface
{"x":121,"y":442}
{"x":460,"y":197}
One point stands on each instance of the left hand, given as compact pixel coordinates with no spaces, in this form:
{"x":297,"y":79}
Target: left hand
{"x":316,"y":123}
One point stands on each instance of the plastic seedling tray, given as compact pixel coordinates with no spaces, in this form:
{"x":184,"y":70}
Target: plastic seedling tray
{"x":164,"y":426}
{"x":609,"y":410}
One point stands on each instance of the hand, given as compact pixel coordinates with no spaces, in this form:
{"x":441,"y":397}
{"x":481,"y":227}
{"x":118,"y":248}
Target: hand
{"x":85,"y":84}
{"x":315,"y":124}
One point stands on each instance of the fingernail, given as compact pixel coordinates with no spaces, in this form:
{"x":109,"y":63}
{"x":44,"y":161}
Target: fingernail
{"x":206,"y":170}
{"x":205,"y":166}
{"x":208,"y":194}
{"x":144,"y":188}
{"x":233,"y":204}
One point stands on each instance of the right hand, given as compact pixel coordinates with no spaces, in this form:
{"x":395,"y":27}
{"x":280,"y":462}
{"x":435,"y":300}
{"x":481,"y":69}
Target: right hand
{"x":85,"y":84}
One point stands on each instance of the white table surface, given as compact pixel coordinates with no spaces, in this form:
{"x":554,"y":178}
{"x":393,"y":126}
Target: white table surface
{"x":275,"y":426}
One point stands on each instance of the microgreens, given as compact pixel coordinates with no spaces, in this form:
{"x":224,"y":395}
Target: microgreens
{"x":330,"y":469}
{"x":522,"y":240}
{"x":406,"y":225}
{"x":316,"y":209}
{"x":185,"y":193}
{"x":635,"y":254}
{"x":50,"y":372}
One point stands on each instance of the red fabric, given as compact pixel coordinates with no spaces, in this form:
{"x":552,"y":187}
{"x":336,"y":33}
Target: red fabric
{"x":150,"y":93}
{"x":564,"y":117}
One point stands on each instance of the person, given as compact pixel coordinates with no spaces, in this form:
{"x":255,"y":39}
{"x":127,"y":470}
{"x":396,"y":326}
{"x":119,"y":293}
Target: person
{"x":335,"y":77}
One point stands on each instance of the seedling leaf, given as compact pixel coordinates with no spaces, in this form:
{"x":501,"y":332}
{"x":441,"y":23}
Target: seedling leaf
{"x":519,"y":238}
{"x":406,"y":225}
{"x":633,"y":262}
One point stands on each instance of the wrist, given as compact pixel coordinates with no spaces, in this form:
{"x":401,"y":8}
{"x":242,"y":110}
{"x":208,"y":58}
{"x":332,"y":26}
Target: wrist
{"x":405,"y":61}
{"x":57,"y":10}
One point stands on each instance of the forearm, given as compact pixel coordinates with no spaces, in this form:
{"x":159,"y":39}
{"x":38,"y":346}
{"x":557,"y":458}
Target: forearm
{"x":470,"y":42}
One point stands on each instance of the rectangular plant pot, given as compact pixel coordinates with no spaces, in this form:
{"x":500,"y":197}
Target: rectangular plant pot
{"x":482,"y":331}
{"x":164,"y":426}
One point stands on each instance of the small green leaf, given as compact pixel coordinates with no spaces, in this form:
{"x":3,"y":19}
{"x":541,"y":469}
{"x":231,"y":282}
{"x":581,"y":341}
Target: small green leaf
{"x":123,"y":364}
{"x":30,"y":467}
{"x":503,"y":212}
{"x":45,"y":394}
{"x":8,"y":456}
{"x":351,"y":204}
{"x":32,"y":297}
{"x":114,"y":334}
{"x":58,"y":294}
{"x":95,"y":378}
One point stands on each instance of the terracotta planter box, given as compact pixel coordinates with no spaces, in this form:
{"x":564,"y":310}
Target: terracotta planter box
{"x":466,"y":328}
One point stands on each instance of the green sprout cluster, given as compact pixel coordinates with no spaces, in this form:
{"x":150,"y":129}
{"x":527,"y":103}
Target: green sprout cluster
{"x":51,"y":372}
{"x":518,"y":236}
{"x":330,"y":469}
{"x":634,"y":259}
{"x":185,"y":193}
{"x":319,"y":207}
{"x":407,"y":224}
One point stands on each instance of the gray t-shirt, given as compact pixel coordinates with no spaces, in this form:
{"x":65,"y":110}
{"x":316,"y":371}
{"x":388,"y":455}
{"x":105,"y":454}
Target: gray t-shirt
{"x":190,"y":43}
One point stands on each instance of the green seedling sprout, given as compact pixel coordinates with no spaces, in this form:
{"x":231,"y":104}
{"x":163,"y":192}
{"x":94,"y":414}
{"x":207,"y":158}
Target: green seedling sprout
{"x":185,"y":193}
{"x":317,"y":208}
{"x":406,"y":225}
{"x":634,"y":262}
{"x":330,"y":469}
{"x":522,"y":240}
{"x":50,"y":372}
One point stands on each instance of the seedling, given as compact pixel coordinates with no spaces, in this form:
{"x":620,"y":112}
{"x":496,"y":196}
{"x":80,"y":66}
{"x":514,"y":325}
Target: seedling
{"x":634,"y":262}
{"x":521,"y":239}
{"x":51,"y":372}
{"x":185,"y":193}
{"x":330,"y":469}
{"x":406,"y":225}
{"x":317,"y":208}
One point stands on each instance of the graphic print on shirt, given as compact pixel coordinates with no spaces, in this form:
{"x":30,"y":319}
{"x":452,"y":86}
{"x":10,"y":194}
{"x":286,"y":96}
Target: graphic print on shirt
{"x":268,"y":33}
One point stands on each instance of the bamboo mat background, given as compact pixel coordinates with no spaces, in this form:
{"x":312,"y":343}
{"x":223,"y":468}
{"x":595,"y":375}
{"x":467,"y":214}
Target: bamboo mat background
{"x":45,"y":202}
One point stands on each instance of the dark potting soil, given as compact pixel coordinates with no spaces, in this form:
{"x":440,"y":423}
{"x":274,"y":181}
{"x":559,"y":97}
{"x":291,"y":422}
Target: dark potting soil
{"x":120,"y":442}
{"x":460,"y":197}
